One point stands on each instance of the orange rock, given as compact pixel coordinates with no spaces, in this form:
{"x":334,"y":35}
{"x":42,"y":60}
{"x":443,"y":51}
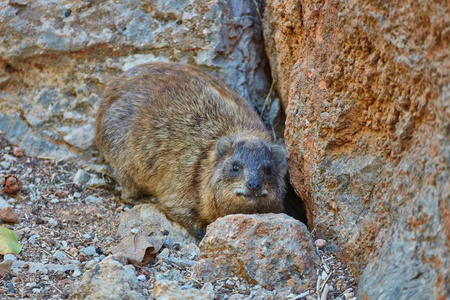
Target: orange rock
{"x":9,"y":215}
{"x":18,"y":152}
{"x":320,"y":243}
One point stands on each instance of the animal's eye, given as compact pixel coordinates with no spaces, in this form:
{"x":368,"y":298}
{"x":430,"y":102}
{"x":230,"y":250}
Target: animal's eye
{"x":236,"y":168}
{"x":268,"y":170}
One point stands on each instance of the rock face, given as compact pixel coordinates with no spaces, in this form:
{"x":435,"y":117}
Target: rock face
{"x":55,"y":57}
{"x":366,"y":94}
{"x":272,"y":250}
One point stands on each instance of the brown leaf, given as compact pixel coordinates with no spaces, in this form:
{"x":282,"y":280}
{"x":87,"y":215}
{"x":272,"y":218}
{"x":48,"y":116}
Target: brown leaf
{"x":9,"y":215}
{"x":5,"y":266}
{"x":139,"y":249}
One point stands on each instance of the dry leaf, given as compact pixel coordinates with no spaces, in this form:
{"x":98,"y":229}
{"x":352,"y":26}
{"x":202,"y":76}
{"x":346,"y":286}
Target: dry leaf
{"x":139,"y":249}
{"x":5,"y":266}
{"x":11,"y":184}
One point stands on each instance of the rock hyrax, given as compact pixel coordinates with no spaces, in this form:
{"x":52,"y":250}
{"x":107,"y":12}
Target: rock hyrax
{"x":173,"y":131}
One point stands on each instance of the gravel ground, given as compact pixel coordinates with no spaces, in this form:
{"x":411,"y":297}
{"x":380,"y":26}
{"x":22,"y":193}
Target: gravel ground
{"x":65,"y":228}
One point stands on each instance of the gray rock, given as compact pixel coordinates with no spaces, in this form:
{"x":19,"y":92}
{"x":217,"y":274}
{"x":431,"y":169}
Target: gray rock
{"x":59,"y":98}
{"x":147,"y":218}
{"x":190,"y":252}
{"x":60,"y":255}
{"x":84,"y":178}
{"x":5,"y":165}
{"x":81,"y":177}
{"x":90,"y":250}
{"x":9,"y":257}
{"x":44,"y":268}
{"x":142,"y":277}
{"x":36,"y":146}
{"x":82,"y":137}
{"x":13,"y":127}
{"x":52,"y":222}
{"x":4,"y":203}
{"x":272,"y":250}
{"x":106,"y":276}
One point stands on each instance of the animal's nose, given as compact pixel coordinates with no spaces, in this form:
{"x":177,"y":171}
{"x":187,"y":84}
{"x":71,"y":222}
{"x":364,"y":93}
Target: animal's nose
{"x":254,"y":184}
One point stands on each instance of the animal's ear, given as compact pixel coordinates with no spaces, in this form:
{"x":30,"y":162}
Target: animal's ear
{"x":223,"y":146}
{"x":278,"y":154}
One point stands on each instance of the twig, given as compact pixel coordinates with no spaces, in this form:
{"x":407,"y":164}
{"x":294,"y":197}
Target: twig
{"x":324,"y":283}
{"x":325,"y":292}
{"x":266,"y":102}
{"x":257,"y":9}
{"x":319,"y":278}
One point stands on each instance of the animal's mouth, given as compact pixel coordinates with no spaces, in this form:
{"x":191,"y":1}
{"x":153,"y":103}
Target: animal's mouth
{"x":250,"y":194}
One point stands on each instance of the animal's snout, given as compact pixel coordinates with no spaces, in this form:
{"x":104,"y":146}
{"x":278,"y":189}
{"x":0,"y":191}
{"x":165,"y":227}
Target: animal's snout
{"x":254,"y":184}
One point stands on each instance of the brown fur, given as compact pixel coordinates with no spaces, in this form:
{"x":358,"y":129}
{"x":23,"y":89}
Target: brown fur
{"x":174,"y":132}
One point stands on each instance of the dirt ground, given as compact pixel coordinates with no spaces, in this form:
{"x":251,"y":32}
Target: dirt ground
{"x":65,"y":227}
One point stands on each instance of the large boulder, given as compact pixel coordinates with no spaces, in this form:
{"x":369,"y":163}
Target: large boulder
{"x":56,"y":56}
{"x":271,"y":250}
{"x":365,"y":89}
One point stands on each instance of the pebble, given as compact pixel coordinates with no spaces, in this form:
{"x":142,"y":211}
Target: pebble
{"x":77,"y":195}
{"x":52,"y":222}
{"x":36,"y":291}
{"x":54,"y":200}
{"x":89,"y":250}
{"x":59,"y":255}
{"x":93,"y":199}
{"x":142,"y":277}
{"x":9,"y":257}
{"x":5,"y":165}
{"x":76,"y":273}
{"x":87,"y":236}
{"x":64,"y":244}
{"x":320,"y":243}
{"x":134,"y":231}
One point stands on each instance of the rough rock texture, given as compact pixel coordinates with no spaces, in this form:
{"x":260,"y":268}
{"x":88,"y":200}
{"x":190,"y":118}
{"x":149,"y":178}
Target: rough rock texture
{"x":272,"y":250}
{"x":146,"y":218}
{"x":55,"y":57}
{"x":168,"y":290}
{"x":109,"y":279}
{"x":365,"y":88}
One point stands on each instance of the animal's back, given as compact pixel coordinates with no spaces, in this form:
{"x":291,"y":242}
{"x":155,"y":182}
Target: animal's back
{"x":158,"y":126}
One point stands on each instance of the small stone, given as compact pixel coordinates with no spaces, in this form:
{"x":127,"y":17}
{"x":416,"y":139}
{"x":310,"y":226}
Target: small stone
{"x":134,"y":230}
{"x":36,"y":291}
{"x":73,"y":250}
{"x":59,"y":255}
{"x":89,"y":250}
{"x":87,"y":236}
{"x":18,"y":152}
{"x":92,"y":199}
{"x":9,"y":257}
{"x":9,"y":215}
{"x":77,"y":195}
{"x":54,"y":200}
{"x":5,"y":165}
{"x":65,"y":295}
{"x":76,"y":273}
{"x":142,"y":277}
{"x":59,"y":193}
{"x":320,"y":243}
{"x":52,"y":222}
